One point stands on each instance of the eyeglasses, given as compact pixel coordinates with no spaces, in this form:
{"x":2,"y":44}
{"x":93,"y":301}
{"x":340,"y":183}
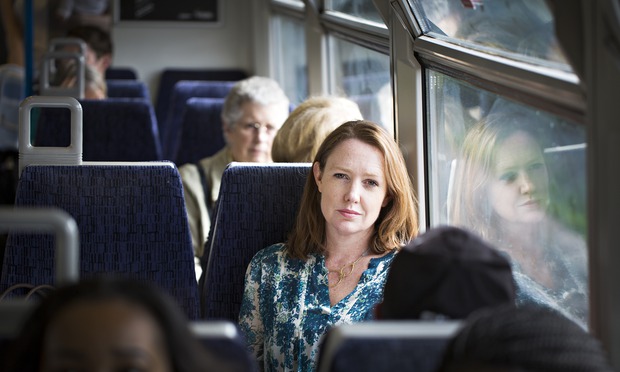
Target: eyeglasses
{"x":256,"y":127}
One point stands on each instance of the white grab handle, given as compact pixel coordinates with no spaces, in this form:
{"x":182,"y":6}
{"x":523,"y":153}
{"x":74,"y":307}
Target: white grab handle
{"x":77,"y":90}
{"x":70,"y":155}
{"x":57,"y":42}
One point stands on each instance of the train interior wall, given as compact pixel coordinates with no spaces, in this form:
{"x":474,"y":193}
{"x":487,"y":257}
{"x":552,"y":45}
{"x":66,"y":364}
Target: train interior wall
{"x":150,"y":47}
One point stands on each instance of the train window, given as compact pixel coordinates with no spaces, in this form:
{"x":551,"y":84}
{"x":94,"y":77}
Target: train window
{"x":515,"y":175}
{"x":363,"y":75}
{"x":290,"y":56}
{"x":521,"y":29}
{"x":364,"y":9}
{"x":291,"y":4}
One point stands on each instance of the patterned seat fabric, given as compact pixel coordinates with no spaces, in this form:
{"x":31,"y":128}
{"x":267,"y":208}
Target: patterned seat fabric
{"x":124,"y":88}
{"x":115,"y":129}
{"x":257,"y":207}
{"x":170,"y":76}
{"x":132,"y":223}
{"x":201,"y":130}
{"x":182,"y":91}
{"x":124,"y":73}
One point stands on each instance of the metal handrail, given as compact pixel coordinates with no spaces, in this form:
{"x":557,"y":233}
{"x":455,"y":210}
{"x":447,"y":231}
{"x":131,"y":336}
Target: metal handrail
{"x":56,"y":221}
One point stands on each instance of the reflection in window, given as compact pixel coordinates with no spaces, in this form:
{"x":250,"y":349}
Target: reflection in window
{"x":359,"y":8}
{"x":300,"y":2}
{"x":363,"y":75}
{"x":290,"y":57}
{"x":524,"y":28}
{"x":516,"y":176}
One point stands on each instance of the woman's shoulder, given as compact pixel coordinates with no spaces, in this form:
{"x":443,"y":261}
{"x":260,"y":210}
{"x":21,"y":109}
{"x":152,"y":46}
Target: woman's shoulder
{"x":220,"y":159}
{"x":567,"y":241}
{"x":385,"y":258}
{"x":271,"y":253}
{"x":383,"y":262}
{"x":188,"y":171}
{"x":190,"y":177}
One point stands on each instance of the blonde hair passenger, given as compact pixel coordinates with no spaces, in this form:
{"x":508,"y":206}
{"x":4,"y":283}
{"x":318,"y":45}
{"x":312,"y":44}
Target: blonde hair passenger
{"x":309,"y":124}
{"x":503,"y":191}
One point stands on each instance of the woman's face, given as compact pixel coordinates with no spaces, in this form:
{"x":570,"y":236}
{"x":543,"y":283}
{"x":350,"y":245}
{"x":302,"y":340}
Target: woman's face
{"x":353,"y":189}
{"x":104,"y":336}
{"x":519,"y":185}
{"x":250,"y":139}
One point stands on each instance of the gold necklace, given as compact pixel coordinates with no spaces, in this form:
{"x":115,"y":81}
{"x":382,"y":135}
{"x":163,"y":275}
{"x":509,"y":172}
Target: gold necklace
{"x":342,"y":273}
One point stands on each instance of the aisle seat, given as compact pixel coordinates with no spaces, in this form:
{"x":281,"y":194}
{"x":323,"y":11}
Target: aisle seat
{"x":131,"y":216}
{"x":132,"y":223}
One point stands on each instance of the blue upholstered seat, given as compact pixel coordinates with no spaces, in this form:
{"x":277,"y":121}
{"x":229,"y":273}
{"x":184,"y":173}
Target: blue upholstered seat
{"x":170,"y":76}
{"x":201,"y":130}
{"x":183,"y":90}
{"x":257,"y":207}
{"x":132,"y":223}
{"x":385,"y":346}
{"x":124,"y":88}
{"x":115,"y":129}
{"x":124,"y":73}
{"x":224,"y":340}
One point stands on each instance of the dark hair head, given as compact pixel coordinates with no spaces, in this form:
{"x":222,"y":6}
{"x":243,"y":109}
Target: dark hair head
{"x":185,"y":351}
{"x":446,"y":272}
{"x":397,"y":223}
{"x":97,"y":39}
{"x":528,"y":338}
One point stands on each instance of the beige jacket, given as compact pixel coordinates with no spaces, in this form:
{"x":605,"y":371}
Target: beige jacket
{"x":195,"y":202}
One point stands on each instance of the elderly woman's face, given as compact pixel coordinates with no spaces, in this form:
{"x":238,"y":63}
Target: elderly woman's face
{"x":250,"y":139}
{"x":519,"y":185}
{"x":104,"y":336}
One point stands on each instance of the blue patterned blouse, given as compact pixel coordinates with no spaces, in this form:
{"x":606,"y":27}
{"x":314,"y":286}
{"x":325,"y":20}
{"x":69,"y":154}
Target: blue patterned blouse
{"x":286,"y":308}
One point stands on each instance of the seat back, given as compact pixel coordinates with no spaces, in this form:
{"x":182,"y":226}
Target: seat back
{"x":132,"y":223}
{"x":114,"y":129}
{"x":257,"y":207}
{"x":14,"y":311}
{"x":170,"y":76}
{"x":126,"y":88}
{"x":223,"y":339}
{"x":121,"y":73}
{"x":201,"y":130}
{"x":184,"y":90}
{"x":12,"y":92}
{"x":386,"y":346}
